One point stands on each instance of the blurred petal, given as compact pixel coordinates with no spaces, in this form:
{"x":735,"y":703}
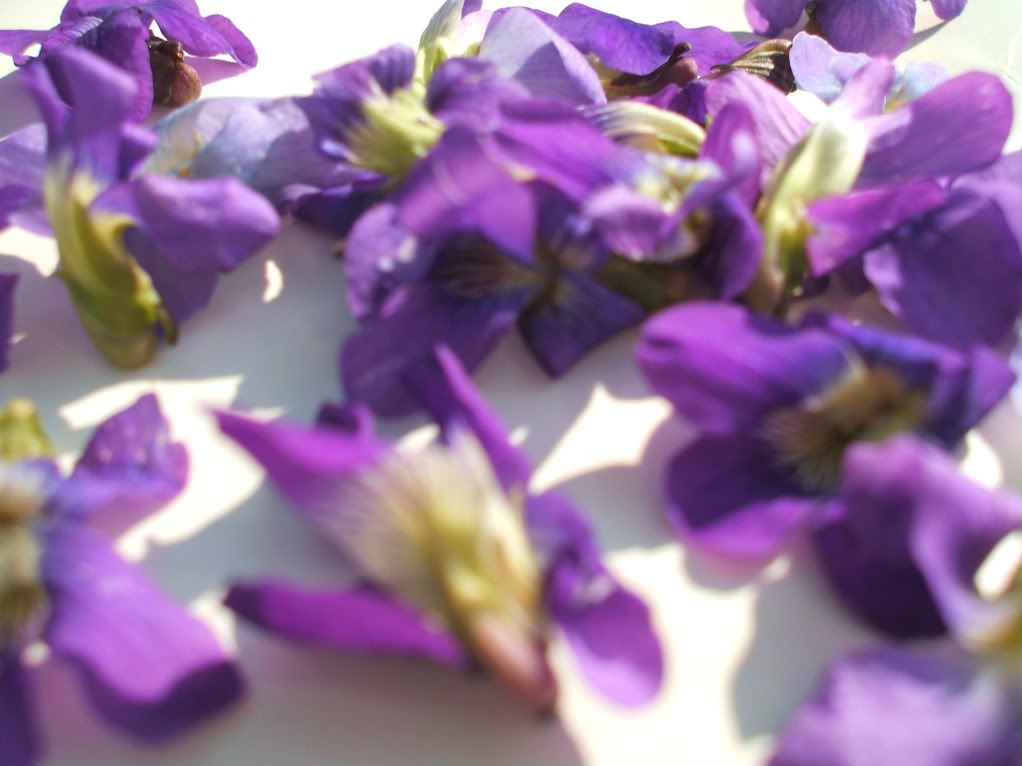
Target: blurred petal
{"x":730,"y":495}
{"x":731,"y":144}
{"x":19,"y":737}
{"x":731,"y":257}
{"x":771,"y":17}
{"x":821,"y":69}
{"x":723,"y":367}
{"x":959,"y":126}
{"x":362,"y":620}
{"x":7,"y":284}
{"x":121,"y":40}
{"x":948,"y":9}
{"x":887,"y":705}
{"x":877,"y":27}
{"x":149,"y":667}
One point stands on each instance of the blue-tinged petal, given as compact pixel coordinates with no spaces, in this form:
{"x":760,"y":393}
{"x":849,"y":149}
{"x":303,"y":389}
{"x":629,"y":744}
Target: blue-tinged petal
{"x":23,"y":159}
{"x":578,"y":316}
{"x":958,"y":127}
{"x":309,"y":467}
{"x":724,"y":367}
{"x":915,"y":79}
{"x":877,"y":27}
{"x":848,"y":225}
{"x":149,"y":667}
{"x":528,"y":51}
{"x":892,"y":705}
{"x":334,"y":209}
{"x":955,"y":275}
{"x":19,"y":736}
{"x":779,"y":125}
{"x":619,"y":43}
{"x":771,"y":17}
{"x":376,"y":360}
{"x":7,"y":284}
{"x":731,"y":495}
{"x":362,"y":620}
{"x":130,"y":464}
{"x":609,"y":630}
{"x":865,"y":92}
{"x":444,"y":388}
{"x":821,"y":69}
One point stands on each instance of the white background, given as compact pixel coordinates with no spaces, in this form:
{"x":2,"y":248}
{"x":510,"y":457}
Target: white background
{"x":744,"y":645}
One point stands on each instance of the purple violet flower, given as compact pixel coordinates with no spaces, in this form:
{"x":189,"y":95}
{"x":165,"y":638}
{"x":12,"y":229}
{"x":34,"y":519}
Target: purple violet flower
{"x":460,"y":565}
{"x":877,"y":27}
{"x":149,"y":668}
{"x":7,"y":284}
{"x":778,"y":406}
{"x":139,"y":253}
{"x":119,"y":31}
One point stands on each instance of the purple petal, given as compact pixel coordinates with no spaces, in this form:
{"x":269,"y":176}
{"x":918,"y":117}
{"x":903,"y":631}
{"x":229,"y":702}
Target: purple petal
{"x":778,"y":123}
{"x":309,"y":467}
{"x":887,"y":705}
{"x":877,"y":27}
{"x":526,"y":50}
{"x":846,"y":226}
{"x":959,"y":126}
{"x":723,"y":367}
{"x":730,"y":259}
{"x":608,"y":629}
{"x":948,"y":9}
{"x":19,"y":737}
{"x":618,"y":43}
{"x":954,"y":276}
{"x":7,"y":284}
{"x":210,"y":36}
{"x":13,"y":42}
{"x":708,"y":46}
{"x":121,"y":40}
{"x":361,"y":620}
{"x":375,"y":361}
{"x":131,"y":462}
{"x":579,"y":317}
{"x":149,"y":667}
{"x":820,"y":68}
{"x":23,"y":159}
{"x":731,"y":144}
{"x":866,"y":91}
{"x":731,"y":495}
{"x":468,"y":92}
{"x":771,"y":17}
{"x":444,"y":389}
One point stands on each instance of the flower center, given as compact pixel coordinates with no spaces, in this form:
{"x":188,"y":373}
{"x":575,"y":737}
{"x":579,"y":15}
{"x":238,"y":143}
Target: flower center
{"x":396,"y":132}
{"x":867,"y":404}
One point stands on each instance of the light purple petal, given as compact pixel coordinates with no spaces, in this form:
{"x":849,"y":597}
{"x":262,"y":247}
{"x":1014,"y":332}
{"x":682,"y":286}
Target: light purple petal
{"x":526,"y":50}
{"x":618,"y":43}
{"x":888,"y":705}
{"x":445,"y":390}
{"x":778,"y":123}
{"x":958,"y":127}
{"x":19,"y":736}
{"x":608,"y":629}
{"x":376,"y":359}
{"x":846,"y":226}
{"x":771,"y":17}
{"x":866,"y":91}
{"x":308,"y":466}
{"x":731,"y":495}
{"x":7,"y":284}
{"x":149,"y":667}
{"x":948,"y":9}
{"x":954,"y":276}
{"x":723,"y":367}
{"x":731,"y":144}
{"x":821,"y":69}
{"x":361,"y":620}
{"x":877,"y":27}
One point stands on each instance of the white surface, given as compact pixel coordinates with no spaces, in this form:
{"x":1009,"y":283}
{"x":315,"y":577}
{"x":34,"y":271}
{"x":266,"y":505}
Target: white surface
{"x":744,"y":646}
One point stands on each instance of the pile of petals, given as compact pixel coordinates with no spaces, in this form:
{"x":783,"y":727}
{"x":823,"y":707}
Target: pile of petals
{"x":822,"y":250}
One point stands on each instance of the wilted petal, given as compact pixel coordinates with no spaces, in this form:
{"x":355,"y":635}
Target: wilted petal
{"x":528,"y":51}
{"x":362,"y":620}
{"x":19,"y":737}
{"x":877,"y":27}
{"x":771,"y":17}
{"x":731,"y":495}
{"x":959,"y":126}
{"x":149,"y":667}
{"x":7,"y":284}
{"x":955,"y":275}
{"x":887,"y":705}
{"x":723,"y":367}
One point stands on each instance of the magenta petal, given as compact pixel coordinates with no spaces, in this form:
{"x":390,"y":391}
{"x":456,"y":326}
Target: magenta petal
{"x":361,"y":620}
{"x":150,"y":667}
{"x":877,"y":27}
{"x":888,"y":706}
{"x":19,"y":738}
{"x":958,"y":127}
{"x":7,"y":284}
{"x":723,"y":367}
{"x":729,"y":495}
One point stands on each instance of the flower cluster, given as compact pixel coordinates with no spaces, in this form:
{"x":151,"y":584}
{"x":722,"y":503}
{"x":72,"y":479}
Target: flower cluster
{"x":822,"y":249}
